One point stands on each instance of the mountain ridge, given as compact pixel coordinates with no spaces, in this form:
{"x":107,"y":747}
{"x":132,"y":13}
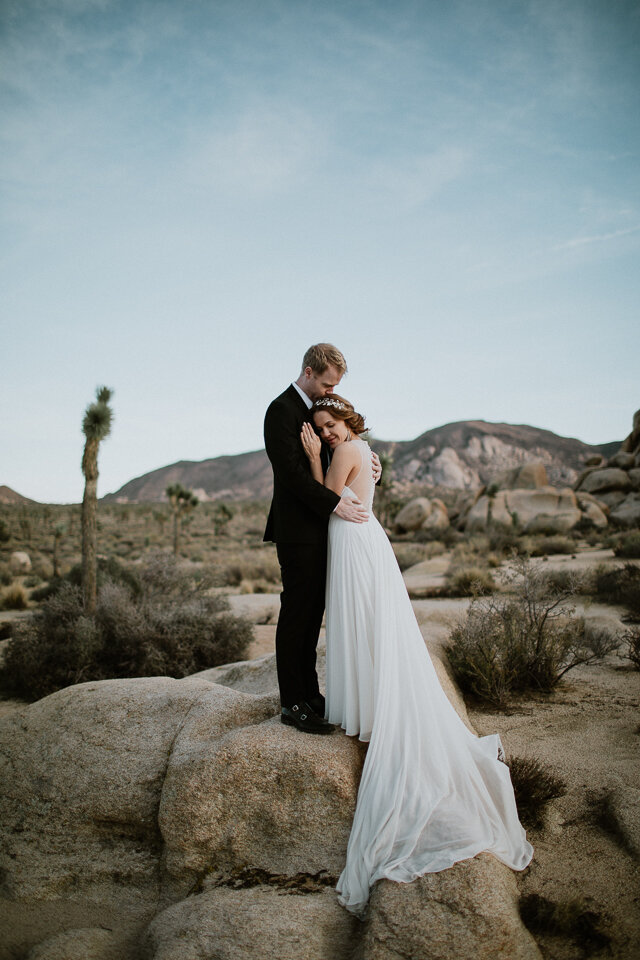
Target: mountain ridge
{"x":464,"y":454}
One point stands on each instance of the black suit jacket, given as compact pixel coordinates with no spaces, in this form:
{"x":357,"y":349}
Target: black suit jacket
{"x":301,"y":506}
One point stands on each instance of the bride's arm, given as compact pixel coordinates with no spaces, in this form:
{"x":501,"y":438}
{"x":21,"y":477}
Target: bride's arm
{"x":345,"y":458}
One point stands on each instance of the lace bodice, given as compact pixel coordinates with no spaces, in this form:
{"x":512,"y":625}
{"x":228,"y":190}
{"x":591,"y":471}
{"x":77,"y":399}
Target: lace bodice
{"x":362,"y":486}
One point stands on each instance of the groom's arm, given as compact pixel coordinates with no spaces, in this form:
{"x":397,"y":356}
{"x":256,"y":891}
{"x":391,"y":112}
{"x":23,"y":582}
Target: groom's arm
{"x":290,"y":464}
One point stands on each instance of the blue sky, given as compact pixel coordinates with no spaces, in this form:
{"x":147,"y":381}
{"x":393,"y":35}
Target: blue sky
{"x":193,"y":192}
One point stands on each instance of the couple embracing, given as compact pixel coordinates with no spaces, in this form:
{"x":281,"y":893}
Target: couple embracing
{"x":431,"y":792}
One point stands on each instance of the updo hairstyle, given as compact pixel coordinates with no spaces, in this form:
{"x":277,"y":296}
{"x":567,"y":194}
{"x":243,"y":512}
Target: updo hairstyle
{"x":340,"y":409}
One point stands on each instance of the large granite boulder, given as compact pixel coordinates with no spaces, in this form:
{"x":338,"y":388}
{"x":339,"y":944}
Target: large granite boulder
{"x":627,"y":512}
{"x":540,"y":510}
{"x":269,"y":922}
{"x":605,"y":480}
{"x":189,"y":802}
{"x":447,"y":914}
{"x":422,"y":514}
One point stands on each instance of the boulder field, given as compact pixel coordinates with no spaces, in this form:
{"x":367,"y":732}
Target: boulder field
{"x":180,"y":820}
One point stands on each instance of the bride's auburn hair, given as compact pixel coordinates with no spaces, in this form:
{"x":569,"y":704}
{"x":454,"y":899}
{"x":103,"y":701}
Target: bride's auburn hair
{"x":340,"y":409}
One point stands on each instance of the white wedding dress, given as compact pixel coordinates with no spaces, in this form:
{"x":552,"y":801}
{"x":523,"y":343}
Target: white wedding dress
{"x":432,"y":793}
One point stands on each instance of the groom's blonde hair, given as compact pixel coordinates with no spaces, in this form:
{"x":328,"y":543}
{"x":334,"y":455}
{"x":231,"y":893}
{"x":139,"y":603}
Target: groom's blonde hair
{"x":322,"y":355}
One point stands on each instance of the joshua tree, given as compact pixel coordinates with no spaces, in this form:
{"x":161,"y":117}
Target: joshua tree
{"x":182,"y":502}
{"x":96,"y":426}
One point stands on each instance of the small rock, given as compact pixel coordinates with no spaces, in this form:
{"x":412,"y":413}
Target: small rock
{"x":20,"y":562}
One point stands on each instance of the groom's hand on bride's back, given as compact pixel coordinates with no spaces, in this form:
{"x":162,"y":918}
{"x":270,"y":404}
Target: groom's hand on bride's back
{"x":352,"y":510}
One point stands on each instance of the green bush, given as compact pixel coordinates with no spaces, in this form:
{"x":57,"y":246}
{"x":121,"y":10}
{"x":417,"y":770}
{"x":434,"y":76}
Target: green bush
{"x":534,"y":786}
{"x":170,"y":627}
{"x":523,"y":642}
{"x":619,"y":585}
{"x":628,"y":546}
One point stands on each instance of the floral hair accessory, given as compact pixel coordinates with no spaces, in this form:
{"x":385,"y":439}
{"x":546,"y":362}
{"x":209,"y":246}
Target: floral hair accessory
{"x":330,"y":402}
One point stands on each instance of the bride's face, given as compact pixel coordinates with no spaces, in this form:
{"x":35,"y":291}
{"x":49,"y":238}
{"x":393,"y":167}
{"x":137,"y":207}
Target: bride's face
{"x":332,"y":431}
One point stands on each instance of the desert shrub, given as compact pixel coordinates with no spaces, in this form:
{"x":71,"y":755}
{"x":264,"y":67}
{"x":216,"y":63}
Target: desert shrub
{"x":547,"y":546}
{"x":43,"y":569}
{"x":170,"y":626}
{"x":526,"y":641}
{"x":571,"y":919}
{"x":408,"y":554}
{"x":5,"y":532}
{"x":15,"y":598}
{"x":6,"y":577}
{"x":32,"y":580}
{"x":469,"y":582}
{"x":243,"y":568}
{"x":631,"y":638}
{"x":628,"y":545}
{"x":534,"y":786}
{"x":507,"y":541}
{"x":109,"y":570}
{"x":619,"y":585}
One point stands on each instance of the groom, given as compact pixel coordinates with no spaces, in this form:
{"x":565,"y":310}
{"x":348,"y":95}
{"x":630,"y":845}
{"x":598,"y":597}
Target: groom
{"x":298,"y":523}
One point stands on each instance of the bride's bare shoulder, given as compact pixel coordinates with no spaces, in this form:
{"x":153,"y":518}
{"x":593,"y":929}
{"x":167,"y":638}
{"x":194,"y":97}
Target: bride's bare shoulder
{"x":346,"y":453}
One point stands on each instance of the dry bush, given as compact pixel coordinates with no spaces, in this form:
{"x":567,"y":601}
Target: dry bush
{"x":523,"y":642}
{"x":248,"y":566}
{"x":550,"y":545}
{"x":631,"y":638}
{"x":170,"y":626}
{"x":570,"y":919}
{"x":619,"y":585}
{"x":15,"y":598}
{"x":534,"y":786}
{"x":6,"y":577}
{"x":470,"y":581}
{"x":627,"y":545}
{"x":408,"y":554}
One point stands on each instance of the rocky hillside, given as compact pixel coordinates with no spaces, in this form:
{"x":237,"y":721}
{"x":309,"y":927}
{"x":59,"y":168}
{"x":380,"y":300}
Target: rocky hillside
{"x":9,"y":496}
{"x":461,"y":455}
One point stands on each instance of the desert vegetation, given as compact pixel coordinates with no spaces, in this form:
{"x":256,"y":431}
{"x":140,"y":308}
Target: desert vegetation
{"x":524,"y":640}
{"x":160,"y":621}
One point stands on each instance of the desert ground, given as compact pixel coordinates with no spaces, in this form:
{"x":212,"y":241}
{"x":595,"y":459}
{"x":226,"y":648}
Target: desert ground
{"x":586,"y":731}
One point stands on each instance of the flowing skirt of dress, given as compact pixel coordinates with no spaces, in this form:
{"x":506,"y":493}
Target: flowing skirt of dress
{"x":431,"y":793}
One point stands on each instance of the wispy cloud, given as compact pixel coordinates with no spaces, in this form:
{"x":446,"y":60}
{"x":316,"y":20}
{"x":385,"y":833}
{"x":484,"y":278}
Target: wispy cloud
{"x":596,"y":238}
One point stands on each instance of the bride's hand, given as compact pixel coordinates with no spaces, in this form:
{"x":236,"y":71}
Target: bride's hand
{"x":311,"y":442}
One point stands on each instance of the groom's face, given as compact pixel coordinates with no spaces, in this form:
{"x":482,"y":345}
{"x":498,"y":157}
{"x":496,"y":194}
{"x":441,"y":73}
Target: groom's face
{"x":322,"y":384}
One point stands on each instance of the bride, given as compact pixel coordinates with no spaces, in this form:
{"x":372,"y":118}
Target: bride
{"x":431,"y":793}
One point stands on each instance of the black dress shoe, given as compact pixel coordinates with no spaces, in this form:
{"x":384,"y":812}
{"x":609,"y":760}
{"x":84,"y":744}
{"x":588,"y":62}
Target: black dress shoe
{"x":301,"y":716}
{"x":317,"y":704}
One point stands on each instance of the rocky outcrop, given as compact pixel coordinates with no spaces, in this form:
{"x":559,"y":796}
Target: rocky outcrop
{"x":422,"y":514}
{"x":617,"y":481}
{"x":187,"y":808}
{"x":522,"y":499}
